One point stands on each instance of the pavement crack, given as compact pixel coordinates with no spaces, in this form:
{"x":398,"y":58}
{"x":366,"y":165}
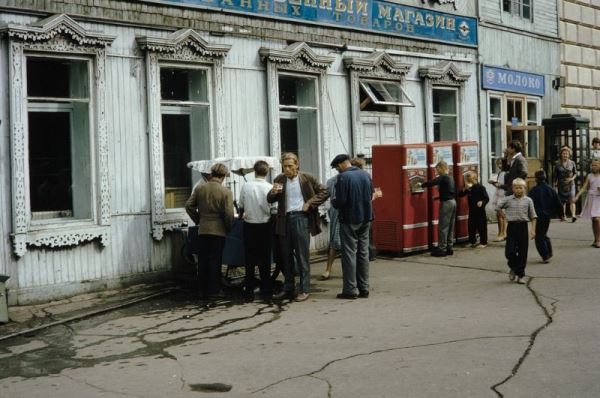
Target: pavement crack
{"x":329,"y":386}
{"x":334,"y":361}
{"x":549,"y":314}
{"x":103,"y":390}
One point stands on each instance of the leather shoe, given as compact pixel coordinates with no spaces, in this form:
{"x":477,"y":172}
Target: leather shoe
{"x":438,"y":253}
{"x":511,"y":275}
{"x":284,"y":295}
{"x":449,"y":252}
{"x":302,"y":297}
{"x":363,"y":294}
{"x":346,"y":296}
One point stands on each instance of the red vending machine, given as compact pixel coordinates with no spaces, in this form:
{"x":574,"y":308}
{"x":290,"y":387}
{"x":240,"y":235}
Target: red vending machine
{"x":466,"y":158}
{"x":437,"y":151}
{"x":401,"y":215}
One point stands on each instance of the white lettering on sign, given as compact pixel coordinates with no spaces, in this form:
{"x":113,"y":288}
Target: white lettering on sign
{"x":519,"y":80}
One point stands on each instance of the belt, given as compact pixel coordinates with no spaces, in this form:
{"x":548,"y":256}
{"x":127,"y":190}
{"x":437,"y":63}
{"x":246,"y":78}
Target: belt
{"x":294,"y":213}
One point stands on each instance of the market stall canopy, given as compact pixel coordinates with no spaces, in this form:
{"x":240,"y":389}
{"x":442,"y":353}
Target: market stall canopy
{"x":240,"y":165}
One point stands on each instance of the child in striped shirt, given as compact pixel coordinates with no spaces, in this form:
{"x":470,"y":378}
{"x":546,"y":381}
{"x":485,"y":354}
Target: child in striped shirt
{"x":519,"y":211}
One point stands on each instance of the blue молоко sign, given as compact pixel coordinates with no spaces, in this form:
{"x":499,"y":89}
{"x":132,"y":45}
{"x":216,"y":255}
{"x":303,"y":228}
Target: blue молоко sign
{"x":502,"y":79}
{"x":371,"y":15}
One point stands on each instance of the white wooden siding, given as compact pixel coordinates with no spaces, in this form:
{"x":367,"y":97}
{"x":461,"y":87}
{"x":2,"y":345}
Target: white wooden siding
{"x":544,"y":17}
{"x":44,"y":273}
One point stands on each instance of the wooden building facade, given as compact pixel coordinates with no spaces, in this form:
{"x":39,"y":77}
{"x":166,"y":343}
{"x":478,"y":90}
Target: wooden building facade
{"x":107,"y":102}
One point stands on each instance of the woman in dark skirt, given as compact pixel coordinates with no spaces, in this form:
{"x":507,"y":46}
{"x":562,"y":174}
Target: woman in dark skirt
{"x":566,"y":172}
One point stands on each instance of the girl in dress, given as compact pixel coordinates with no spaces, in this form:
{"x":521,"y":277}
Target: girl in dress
{"x":591,"y":208}
{"x":498,"y":180}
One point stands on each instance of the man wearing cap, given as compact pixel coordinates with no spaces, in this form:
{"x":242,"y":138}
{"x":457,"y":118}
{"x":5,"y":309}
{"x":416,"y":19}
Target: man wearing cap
{"x":298,"y":195}
{"x":353,"y":196}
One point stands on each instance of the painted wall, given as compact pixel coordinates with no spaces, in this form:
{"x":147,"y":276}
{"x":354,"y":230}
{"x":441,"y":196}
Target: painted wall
{"x":132,"y":255}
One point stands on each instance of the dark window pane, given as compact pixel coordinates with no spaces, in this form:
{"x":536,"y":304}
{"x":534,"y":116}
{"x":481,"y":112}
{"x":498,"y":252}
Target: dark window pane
{"x":50,"y":161}
{"x":174,"y":84}
{"x":519,"y":110}
{"x":495,"y":108}
{"x":506,"y":5}
{"x":289,"y":135}
{"x":176,"y":147}
{"x":287,"y":91}
{"x":510,"y":110}
{"x":526,"y":11}
{"x":47,"y":77}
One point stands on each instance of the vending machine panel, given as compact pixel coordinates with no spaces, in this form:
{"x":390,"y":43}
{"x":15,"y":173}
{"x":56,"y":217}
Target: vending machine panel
{"x":401,"y":215}
{"x":466,"y":158}
{"x":437,"y":151}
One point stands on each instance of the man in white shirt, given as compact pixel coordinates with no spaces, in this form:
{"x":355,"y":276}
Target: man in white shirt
{"x":256,"y":213}
{"x":298,"y":195}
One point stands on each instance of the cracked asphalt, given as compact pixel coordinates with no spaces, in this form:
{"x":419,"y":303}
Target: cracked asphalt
{"x":449,"y":327}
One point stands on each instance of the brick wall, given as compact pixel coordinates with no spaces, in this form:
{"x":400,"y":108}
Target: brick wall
{"x":580,"y":59}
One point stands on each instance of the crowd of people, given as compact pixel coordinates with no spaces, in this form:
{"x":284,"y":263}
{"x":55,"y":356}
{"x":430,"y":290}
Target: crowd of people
{"x":298,"y":196}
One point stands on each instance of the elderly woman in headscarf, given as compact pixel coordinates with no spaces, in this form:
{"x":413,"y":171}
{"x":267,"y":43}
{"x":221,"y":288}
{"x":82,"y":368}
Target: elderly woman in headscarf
{"x":565,"y":173}
{"x":211,"y":207}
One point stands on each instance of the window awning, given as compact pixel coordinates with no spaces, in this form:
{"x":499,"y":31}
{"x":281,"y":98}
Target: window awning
{"x":386,"y":93}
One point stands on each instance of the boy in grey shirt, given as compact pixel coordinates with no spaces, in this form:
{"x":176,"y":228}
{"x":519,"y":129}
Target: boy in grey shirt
{"x":519,"y":211}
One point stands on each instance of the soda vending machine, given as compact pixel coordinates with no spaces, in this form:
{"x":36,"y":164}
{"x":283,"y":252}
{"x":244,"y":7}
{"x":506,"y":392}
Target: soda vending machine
{"x":437,"y":151}
{"x":402,"y":214}
{"x":466,"y":158}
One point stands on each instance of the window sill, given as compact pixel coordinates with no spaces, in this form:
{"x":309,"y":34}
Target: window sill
{"x":60,"y":235}
{"x":173,"y":218}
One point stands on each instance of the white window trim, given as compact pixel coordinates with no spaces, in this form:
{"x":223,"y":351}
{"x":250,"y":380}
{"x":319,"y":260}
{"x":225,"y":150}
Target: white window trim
{"x":503,"y":143}
{"x":174,"y":107}
{"x":378,"y":65}
{"x":57,"y":36}
{"x":297,"y":60}
{"x":184,"y":49}
{"x":456,"y":105}
{"x":441,"y":76}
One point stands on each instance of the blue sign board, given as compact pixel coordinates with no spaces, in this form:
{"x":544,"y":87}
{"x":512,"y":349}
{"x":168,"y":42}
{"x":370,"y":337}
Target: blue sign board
{"x":502,"y":79}
{"x":369,"y":15}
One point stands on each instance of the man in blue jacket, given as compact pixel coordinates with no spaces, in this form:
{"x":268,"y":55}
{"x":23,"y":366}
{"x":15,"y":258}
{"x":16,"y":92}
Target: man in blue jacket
{"x":547,"y":205}
{"x":353,"y":195}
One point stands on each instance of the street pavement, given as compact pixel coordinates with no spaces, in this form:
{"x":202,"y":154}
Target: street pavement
{"x":432,"y":327}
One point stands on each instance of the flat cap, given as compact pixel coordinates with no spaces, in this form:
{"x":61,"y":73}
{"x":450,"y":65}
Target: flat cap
{"x":339,"y":159}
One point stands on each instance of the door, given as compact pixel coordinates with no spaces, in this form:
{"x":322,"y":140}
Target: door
{"x":379,"y":129}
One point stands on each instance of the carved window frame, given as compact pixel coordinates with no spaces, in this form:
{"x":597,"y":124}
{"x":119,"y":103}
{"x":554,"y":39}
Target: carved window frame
{"x":300,"y":59}
{"x":57,"y":36}
{"x":378,"y":65}
{"x":443,"y":75}
{"x":183,"y":47}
